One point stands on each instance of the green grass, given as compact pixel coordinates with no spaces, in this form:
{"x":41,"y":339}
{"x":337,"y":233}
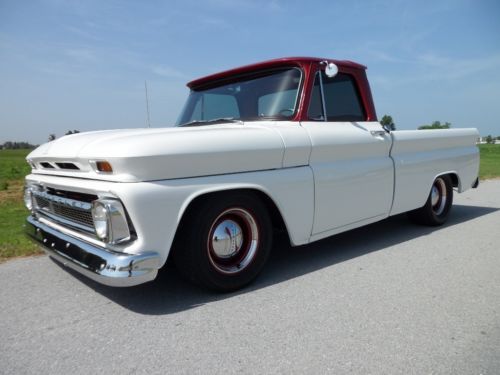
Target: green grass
{"x":13,"y":242}
{"x":13,"y":168}
{"x":490,"y":161}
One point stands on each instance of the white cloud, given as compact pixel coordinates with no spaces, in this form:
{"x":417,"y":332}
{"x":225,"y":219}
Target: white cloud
{"x":452,"y":69}
{"x":167,"y":71}
{"x":431,"y":67}
{"x":82,"y":33}
{"x":83,"y":55}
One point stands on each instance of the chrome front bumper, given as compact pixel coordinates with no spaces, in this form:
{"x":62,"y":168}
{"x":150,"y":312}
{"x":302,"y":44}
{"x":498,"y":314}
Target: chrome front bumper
{"x":101,"y":265}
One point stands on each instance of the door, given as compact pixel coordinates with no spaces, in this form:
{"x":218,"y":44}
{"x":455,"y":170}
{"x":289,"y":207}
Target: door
{"x":353,"y":173}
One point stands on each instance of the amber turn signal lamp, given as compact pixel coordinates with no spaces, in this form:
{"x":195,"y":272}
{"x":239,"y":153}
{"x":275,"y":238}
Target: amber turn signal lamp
{"x":103,"y":166}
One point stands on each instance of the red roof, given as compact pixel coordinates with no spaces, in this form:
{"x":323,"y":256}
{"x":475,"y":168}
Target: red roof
{"x":285,"y":61}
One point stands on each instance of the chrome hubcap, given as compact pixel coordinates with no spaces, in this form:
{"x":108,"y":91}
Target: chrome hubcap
{"x":233,"y":240}
{"x":227,"y":239}
{"x":434,"y":196}
{"x":438,"y":196}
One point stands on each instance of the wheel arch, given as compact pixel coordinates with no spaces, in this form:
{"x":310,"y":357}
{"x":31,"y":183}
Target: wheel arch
{"x":195,"y":199}
{"x":455,"y":179}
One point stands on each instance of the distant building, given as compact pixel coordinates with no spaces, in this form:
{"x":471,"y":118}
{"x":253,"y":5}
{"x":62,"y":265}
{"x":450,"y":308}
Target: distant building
{"x":482,"y":141}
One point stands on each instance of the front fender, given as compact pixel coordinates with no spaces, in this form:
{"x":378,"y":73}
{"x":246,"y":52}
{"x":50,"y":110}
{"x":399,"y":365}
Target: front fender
{"x":156,"y":208}
{"x":290,"y":189}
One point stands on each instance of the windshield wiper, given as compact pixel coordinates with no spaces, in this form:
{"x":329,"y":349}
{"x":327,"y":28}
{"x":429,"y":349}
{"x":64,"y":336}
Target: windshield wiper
{"x":212,"y":121}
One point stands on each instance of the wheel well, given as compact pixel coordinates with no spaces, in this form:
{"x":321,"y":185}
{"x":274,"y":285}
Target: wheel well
{"x":272,"y":209}
{"x":454,"y":179}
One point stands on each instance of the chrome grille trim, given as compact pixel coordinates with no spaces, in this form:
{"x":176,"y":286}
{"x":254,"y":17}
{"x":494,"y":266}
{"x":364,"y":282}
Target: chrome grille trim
{"x":66,"y":211}
{"x":67,"y":223}
{"x":72,"y":203}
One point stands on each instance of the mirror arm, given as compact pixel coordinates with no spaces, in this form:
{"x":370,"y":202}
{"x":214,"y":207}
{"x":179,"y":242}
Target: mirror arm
{"x":386,"y":128}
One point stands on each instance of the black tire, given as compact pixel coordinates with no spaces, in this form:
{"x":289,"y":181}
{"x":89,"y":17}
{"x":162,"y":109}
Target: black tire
{"x":224,"y":242}
{"x":436,"y":210}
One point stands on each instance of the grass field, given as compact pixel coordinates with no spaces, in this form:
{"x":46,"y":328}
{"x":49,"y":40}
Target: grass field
{"x":490,"y":161}
{"x":13,"y":168}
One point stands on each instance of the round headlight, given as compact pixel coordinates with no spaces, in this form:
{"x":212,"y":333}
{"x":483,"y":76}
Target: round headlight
{"x":100,"y":217}
{"x":28,"y":202}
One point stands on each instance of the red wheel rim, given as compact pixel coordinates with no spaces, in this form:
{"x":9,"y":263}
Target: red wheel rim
{"x":233,"y":240}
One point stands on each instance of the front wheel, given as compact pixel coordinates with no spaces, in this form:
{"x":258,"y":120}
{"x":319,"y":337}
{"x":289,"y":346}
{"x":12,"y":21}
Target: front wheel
{"x":225,"y":241}
{"x":437,"y":207}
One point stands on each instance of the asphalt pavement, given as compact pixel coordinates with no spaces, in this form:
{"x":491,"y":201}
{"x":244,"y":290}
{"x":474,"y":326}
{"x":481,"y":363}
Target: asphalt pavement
{"x":389,"y":298}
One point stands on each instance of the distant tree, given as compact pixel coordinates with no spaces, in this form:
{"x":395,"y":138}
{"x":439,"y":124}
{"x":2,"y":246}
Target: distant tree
{"x":435,"y":125}
{"x":387,"y":122}
{"x":16,"y":145}
{"x":72,"y":132}
{"x":489,"y":139}
{"x":52,"y":137}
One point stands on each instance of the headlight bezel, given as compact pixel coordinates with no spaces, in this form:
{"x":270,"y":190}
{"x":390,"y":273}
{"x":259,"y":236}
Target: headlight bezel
{"x":31,"y":163}
{"x":110,"y":222}
{"x":28,"y":197}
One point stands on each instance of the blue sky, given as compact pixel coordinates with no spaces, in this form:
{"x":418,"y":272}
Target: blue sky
{"x":82,"y":64}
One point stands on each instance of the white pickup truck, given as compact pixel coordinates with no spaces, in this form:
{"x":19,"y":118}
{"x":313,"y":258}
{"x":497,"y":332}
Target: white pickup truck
{"x":291,"y":143}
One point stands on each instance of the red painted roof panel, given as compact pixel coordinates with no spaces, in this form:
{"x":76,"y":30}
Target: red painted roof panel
{"x":285,"y":61}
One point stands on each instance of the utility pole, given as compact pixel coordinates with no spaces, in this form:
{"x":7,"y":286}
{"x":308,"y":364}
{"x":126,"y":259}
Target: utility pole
{"x":147,"y":104}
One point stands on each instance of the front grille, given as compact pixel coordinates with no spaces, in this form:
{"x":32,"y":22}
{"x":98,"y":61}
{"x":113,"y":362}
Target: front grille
{"x":67,"y":211}
{"x":82,"y":197}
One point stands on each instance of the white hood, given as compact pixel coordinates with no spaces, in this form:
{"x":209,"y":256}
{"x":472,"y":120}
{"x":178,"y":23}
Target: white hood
{"x":156,"y":154}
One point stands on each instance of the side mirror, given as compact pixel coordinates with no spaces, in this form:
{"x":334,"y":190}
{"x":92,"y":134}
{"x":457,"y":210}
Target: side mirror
{"x":331,"y":70}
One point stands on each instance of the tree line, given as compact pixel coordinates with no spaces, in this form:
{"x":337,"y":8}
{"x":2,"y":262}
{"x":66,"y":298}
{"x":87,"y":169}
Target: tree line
{"x":16,"y":145}
{"x":9,"y":145}
{"x":389,"y":124}
{"x":489,"y":139}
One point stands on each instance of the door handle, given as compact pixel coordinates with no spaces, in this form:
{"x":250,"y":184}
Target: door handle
{"x":378,"y":133}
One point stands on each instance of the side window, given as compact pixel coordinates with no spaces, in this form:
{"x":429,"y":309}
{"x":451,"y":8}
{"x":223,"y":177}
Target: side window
{"x":342,"y":99}
{"x":211,"y":106}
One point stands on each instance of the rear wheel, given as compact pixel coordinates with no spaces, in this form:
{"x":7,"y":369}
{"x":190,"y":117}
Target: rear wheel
{"x":438,"y":204}
{"x":225,"y":241}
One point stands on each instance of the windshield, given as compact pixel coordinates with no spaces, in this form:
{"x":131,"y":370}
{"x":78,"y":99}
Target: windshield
{"x":271,"y":94}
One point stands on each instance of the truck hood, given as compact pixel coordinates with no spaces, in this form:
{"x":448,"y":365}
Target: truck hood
{"x":166,"y":153}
